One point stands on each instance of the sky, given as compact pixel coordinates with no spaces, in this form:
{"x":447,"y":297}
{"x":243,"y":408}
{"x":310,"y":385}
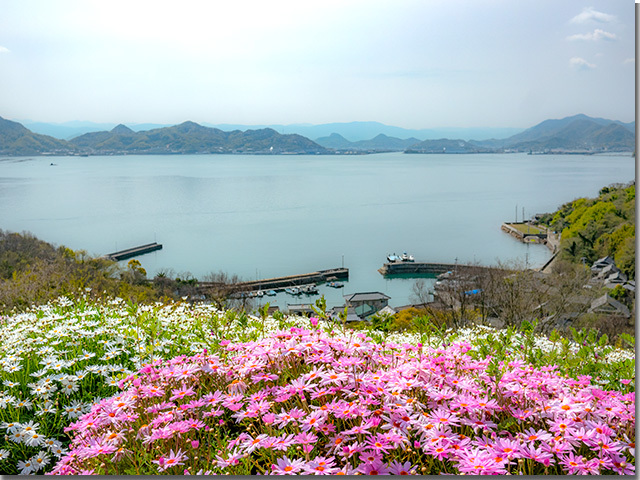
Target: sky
{"x":412,"y":64}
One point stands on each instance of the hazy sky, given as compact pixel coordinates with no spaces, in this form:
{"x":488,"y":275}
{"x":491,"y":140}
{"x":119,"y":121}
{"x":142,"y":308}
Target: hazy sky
{"x":414,"y":64}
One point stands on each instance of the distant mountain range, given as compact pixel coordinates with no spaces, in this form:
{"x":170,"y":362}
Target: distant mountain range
{"x":576,"y":134}
{"x":15,"y":139}
{"x":188,"y":137}
{"x":353,"y":131}
{"x":69,"y":130}
{"x":379,"y":143}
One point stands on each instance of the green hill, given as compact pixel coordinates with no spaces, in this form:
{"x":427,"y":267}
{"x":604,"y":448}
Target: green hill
{"x":580,"y":133}
{"x":189,"y":137}
{"x":15,"y":139}
{"x":593,"y":228}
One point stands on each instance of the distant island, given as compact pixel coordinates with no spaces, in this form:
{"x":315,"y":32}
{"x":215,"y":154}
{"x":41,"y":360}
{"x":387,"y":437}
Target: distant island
{"x":578,"y":134}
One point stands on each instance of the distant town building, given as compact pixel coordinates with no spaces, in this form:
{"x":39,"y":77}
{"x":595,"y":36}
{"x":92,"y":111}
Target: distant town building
{"x":607,"y":273}
{"x":367,"y":303}
{"x":609,"y":305}
{"x":300,"y":309}
{"x":335,"y":313}
{"x":601,"y":263}
{"x":387,"y":311}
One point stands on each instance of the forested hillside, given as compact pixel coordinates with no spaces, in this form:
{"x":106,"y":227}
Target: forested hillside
{"x":593,"y":228}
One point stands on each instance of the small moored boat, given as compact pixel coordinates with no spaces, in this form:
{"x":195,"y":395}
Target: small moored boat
{"x":407,"y":258}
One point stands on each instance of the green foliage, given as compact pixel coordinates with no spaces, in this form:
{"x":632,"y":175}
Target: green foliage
{"x":596,"y":227}
{"x":35,"y":272}
{"x":587,"y":353}
{"x":381,"y":321}
{"x":618,"y":292}
{"x":320,"y":308}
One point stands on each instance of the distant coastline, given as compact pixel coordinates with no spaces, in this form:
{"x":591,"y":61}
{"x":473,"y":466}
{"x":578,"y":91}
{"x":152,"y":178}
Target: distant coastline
{"x":576,"y":135}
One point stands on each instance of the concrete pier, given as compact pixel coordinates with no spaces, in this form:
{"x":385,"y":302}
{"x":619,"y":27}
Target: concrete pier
{"x":278,"y":283}
{"x":399,"y":268}
{"x":422,"y":268}
{"x":133,"y":252}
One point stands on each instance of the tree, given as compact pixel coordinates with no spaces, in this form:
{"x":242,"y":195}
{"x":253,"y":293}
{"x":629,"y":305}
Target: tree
{"x":135,"y":274}
{"x":221,"y":288}
{"x":421,"y":295}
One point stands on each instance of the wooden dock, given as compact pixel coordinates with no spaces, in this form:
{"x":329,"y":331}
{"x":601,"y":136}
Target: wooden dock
{"x":133,"y":252}
{"x":279,"y":283}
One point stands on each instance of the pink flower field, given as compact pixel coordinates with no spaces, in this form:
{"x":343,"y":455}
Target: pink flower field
{"x":309,"y":402}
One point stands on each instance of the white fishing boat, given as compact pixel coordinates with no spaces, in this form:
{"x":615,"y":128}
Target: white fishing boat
{"x":407,"y":258}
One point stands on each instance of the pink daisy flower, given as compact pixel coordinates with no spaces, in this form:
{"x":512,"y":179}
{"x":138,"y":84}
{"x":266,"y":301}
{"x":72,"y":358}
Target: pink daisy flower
{"x":171,"y":460}
{"x":285,"y":466}
{"x":397,"y":468}
{"x":377,"y":467}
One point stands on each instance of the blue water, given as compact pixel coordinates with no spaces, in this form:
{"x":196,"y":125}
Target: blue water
{"x":266,"y":216}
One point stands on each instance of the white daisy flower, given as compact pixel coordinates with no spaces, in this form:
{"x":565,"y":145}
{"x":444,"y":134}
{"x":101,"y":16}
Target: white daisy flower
{"x":25,"y":467}
{"x":12,"y":368}
{"x":87,"y":355}
{"x":33,"y":439}
{"x":23,"y":404}
{"x":40,"y":460}
{"x":39,"y":390}
{"x":46,"y":350}
{"x":10,"y":427}
{"x":48,"y":407}
{"x":67,"y":379}
{"x":40,"y":373}
{"x":17,"y":437}
{"x":58,"y":451}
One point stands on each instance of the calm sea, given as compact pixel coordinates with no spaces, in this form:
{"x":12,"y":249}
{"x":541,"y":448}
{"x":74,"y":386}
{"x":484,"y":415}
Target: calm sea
{"x":267,"y":216}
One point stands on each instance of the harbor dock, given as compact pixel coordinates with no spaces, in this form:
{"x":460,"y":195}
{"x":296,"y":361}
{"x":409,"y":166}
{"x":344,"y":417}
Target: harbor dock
{"x":400,"y":268}
{"x":424,"y":268}
{"x":525,"y":232}
{"x":133,"y":252}
{"x":280,"y":283}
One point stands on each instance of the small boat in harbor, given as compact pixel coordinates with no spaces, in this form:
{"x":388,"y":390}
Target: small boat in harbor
{"x":309,"y":290}
{"x":293,"y":291}
{"x":407,"y":258}
{"x":271,"y":293}
{"x":393,"y":258}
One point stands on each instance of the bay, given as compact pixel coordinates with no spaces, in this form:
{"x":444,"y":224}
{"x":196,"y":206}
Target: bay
{"x":267,"y":216}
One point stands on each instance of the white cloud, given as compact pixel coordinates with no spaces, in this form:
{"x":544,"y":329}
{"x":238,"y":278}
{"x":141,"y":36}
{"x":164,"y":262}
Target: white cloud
{"x":4,"y":49}
{"x":581,"y":63}
{"x":589,"y":14}
{"x":596,"y":35}
{"x":628,"y":61}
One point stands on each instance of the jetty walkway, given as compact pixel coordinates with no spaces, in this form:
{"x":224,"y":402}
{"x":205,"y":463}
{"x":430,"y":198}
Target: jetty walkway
{"x":279,"y":283}
{"x":133,"y":252}
{"x":403,"y":268}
